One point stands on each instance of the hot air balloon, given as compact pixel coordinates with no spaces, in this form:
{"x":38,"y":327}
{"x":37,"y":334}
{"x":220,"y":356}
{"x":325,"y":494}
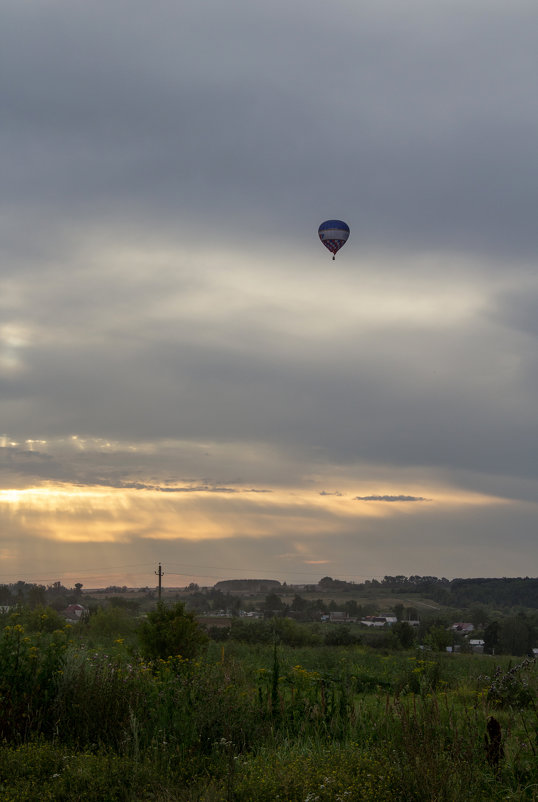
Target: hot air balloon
{"x":333,"y":234}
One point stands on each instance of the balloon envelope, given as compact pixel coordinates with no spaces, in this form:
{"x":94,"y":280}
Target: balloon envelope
{"x":333,"y":234}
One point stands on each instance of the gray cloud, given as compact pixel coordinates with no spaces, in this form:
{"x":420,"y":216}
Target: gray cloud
{"x":165,"y":489}
{"x":391,"y":498}
{"x":124,"y":485}
{"x":434,"y":128}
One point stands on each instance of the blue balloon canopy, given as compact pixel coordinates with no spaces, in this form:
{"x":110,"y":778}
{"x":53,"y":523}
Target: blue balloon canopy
{"x":333,"y":234}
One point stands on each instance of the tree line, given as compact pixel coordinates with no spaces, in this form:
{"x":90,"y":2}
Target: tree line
{"x":497,"y":592}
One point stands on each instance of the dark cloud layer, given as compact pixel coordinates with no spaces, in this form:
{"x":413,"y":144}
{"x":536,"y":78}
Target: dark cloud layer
{"x":200,"y":117}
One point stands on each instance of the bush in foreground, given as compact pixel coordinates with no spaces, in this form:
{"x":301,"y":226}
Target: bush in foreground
{"x":171,"y":632}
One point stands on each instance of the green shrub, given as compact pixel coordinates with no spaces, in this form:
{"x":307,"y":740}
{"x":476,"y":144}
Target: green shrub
{"x":512,"y":688}
{"x":30,"y":665}
{"x":274,"y":630}
{"x":340,"y":635}
{"x":110,"y":622}
{"x":38,"y":619}
{"x":169,"y":632}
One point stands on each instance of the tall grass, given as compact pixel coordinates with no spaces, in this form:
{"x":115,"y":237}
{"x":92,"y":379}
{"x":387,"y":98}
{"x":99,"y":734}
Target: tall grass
{"x":260,"y":723}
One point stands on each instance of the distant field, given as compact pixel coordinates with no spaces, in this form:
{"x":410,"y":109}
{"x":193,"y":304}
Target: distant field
{"x":382,"y":600}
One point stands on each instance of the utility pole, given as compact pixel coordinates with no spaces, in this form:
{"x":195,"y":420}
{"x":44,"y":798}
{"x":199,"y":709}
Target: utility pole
{"x":160,"y":574}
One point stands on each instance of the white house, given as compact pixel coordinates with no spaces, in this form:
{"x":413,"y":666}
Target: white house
{"x":477,"y":645}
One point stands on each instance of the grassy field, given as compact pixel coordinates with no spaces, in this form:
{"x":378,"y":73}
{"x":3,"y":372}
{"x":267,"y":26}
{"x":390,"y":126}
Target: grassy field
{"x":379,"y":597}
{"x":253,"y":723}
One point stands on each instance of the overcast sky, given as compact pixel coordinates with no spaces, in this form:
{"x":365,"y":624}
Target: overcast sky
{"x":185,"y":374}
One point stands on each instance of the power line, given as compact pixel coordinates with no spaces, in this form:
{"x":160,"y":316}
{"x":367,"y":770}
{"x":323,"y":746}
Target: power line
{"x":265,"y":570}
{"x":100,"y":569}
{"x":194,"y":566}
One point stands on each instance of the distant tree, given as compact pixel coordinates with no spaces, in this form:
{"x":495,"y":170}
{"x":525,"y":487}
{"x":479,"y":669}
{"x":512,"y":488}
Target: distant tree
{"x":169,"y":632}
{"x":491,"y":638}
{"x":328,"y":583}
{"x":199,"y":602}
{"x":36,"y":596}
{"x":320,"y":607}
{"x":298,"y":604}
{"x":352,"y":608}
{"x":127,"y":604}
{"x":256,"y":631}
{"x":398,"y":611}
{"x":57,"y":596}
{"x":340,"y":635}
{"x":439,"y":638}
{"x":290,"y":633}
{"x":78,"y":590}
{"x":218,"y":599}
{"x":235,"y":606}
{"x":404,"y":633}
{"x":19,"y":588}
{"x":515,"y":636}
{"x":5,"y":595}
{"x":273,"y":603}
{"x":479,"y":615}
